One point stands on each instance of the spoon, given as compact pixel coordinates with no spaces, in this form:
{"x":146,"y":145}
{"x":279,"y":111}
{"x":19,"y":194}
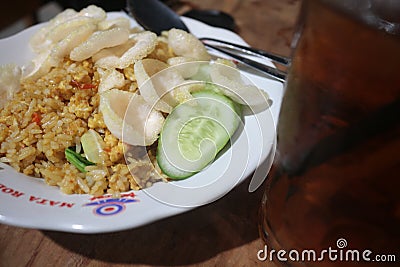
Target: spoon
{"x":155,"y":16}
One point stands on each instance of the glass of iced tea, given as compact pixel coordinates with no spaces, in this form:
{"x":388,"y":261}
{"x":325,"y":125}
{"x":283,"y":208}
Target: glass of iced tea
{"x":333,"y":196}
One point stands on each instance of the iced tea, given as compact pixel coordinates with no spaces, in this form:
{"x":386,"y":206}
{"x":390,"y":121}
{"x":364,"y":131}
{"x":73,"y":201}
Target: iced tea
{"x":336,"y":176}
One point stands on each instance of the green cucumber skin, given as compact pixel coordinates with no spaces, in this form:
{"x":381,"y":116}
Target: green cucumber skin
{"x":177,"y":174}
{"x":168,"y":169}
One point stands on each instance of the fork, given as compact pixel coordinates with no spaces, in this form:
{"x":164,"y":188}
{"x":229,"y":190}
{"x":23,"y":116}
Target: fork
{"x":234,"y":50}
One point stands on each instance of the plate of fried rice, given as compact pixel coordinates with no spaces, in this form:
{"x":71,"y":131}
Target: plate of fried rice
{"x":53,"y":86}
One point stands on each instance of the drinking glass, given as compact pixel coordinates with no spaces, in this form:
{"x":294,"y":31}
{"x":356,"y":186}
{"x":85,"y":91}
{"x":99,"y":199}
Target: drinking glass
{"x":333,"y":195}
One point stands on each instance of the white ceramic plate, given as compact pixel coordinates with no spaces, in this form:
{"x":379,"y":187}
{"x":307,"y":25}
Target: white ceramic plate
{"x":28,"y":202}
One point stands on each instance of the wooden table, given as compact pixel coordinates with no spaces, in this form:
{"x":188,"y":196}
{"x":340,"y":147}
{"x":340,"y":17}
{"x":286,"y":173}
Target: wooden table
{"x":224,"y":233}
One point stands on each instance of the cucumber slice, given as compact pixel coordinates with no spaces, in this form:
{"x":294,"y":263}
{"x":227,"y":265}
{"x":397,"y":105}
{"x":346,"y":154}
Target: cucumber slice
{"x":195,"y":132}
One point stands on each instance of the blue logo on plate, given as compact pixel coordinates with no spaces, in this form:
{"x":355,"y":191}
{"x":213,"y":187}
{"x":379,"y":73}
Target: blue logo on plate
{"x":107,"y":206}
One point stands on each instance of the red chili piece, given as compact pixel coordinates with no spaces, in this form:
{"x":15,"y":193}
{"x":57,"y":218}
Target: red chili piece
{"x":84,"y":86}
{"x":87,"y":86}
{"x":36,"y":118}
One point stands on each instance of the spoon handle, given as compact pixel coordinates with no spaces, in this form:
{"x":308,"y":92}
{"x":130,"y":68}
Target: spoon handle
{"x":249,"y":50}
{"x":270,"y":71}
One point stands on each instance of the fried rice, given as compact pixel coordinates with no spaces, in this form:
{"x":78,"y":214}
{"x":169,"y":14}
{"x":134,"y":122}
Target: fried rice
{"x":51,"y":114}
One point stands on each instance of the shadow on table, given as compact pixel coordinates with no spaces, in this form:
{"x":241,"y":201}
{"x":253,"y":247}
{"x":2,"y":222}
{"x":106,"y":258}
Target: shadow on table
{"x":188,"y":238}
